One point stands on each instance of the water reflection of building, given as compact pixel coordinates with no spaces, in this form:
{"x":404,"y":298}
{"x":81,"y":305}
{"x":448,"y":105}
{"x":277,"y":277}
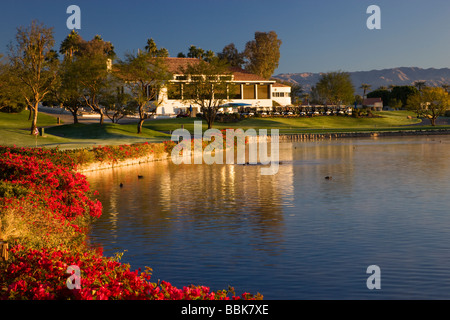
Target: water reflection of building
{"x":171,"y":198}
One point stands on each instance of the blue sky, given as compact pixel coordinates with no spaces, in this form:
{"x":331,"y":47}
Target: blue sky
{"x":317,"y":35}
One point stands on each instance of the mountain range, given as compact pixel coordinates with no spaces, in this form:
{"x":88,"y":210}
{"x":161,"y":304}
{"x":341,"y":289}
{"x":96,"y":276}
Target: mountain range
{"x":375,"y":78}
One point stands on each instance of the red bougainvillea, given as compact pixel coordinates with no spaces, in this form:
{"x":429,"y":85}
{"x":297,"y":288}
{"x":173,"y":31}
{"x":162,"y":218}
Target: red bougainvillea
{"x":45,"y":180}
{"x":42,"y":274}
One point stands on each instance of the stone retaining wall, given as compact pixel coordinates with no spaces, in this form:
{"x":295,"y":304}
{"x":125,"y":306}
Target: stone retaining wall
{"x":283,"y":137}
{"x":128,"y":162}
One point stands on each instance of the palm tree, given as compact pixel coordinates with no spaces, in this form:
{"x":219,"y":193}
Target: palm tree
{"x":420,"y":84}
{"x":151,"y":46}
{"x":71,"y":44}
{"x":365,"y":87}
{"x":306,"y":96}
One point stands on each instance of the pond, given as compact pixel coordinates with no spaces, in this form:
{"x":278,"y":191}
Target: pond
{"x":293,"y":235}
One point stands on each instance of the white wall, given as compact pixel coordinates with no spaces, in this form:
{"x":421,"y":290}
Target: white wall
{"x":286,"y":91}
{"x":167,"y":106}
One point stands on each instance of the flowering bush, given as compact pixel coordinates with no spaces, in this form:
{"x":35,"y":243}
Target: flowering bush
{"x":45,"y":207}
{"x":57,"y":157}
{"x":42,"y":274}
{"x":55,"y":188}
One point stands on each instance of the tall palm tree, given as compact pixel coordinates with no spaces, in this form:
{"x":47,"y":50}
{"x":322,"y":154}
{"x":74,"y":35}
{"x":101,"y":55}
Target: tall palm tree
{"x":365,"y":87}
{"x":151,"y":46}
{"x":306,"y":96}
{"x":420,"y":84}
{"x":71,"y":44}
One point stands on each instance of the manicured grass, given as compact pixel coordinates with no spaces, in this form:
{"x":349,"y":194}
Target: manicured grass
{"x":107,"y":131}
{"x":14,"y":130}
{"x":22,"y":138}
{"x":20,"y":120}
{"x":387,"y":120}
{"x":169,"y":125}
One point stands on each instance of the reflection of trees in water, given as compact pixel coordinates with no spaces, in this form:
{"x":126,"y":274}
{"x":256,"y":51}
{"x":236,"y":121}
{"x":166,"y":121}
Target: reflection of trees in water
{"x":203,"y":198}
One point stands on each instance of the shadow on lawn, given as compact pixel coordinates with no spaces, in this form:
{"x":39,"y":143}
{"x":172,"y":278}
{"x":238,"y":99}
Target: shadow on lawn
{"x":107,"y":131}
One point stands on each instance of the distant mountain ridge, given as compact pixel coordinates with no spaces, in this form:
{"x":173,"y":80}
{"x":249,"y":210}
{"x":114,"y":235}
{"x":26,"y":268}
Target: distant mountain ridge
{"x":376,"y":78}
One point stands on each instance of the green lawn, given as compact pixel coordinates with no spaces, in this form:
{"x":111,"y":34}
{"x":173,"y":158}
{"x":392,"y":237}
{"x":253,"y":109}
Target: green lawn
{"x":107,"y":131}
{"x":14,"y":128}
{"x":388,"y":120}
{"x":20,"y":120}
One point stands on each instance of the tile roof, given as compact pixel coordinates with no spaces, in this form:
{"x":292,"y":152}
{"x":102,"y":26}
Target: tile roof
{"x":176,"y":64}
{"x":371,"y":101}
{"x":242,"y":75}
{"x":277,"y":84}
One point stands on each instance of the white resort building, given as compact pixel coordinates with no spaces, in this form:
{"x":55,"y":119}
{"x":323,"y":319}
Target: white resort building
{"x":281,"y":94}
{"x":251,"y":91}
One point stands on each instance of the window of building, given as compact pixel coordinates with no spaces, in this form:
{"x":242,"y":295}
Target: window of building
{"x":263,"y":91}
{"x":249,"y":91}
{"x":190,"y":91}
{"x":234,"y":91}
{"x":281,"y":94}
{"x":152,"y":92}
{"x":174,"y":91}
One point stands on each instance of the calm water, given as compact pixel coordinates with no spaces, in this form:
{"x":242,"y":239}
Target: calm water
{"x":294,"y":235}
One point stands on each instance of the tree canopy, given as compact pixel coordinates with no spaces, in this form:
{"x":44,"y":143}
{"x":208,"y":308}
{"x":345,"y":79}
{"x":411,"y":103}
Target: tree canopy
{"x":10,"y":97}
{"x":263,"y":54}
{"x":198,"y":53}
{"x":71,"y":44}
{"x":429,"y":102}
{"x":153,"y":50}
{"x":335,"y":88}
{"x":144,"y":75}
{"x":397,"y":94}
{"x":33,"y":64}
{"x":232,"y":56}
{"x":209,"y":86}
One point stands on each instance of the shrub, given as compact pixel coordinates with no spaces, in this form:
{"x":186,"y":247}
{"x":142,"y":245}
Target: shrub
{"x":11,"y":190}
{"x":45,"y":209}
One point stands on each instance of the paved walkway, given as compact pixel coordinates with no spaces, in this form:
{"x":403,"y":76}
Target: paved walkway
{"x":67,"y":118}
{"x":439,"y":122}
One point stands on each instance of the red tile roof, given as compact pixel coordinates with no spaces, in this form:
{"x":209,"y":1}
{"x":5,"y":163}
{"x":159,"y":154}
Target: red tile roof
{"x":242,"y":75}
{"x":176,"y":64}
{"x":276,"y":84}
{"x":371,"y":101}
